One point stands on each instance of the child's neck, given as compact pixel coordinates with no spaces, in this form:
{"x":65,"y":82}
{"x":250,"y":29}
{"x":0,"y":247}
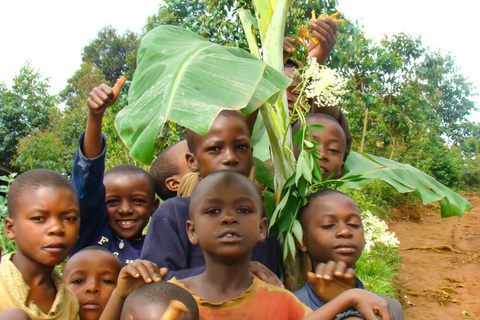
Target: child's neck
{"x":34,"y":274}
{"x":221,"y":281}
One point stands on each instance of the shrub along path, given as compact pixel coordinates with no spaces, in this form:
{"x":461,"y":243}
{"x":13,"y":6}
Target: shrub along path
{"x":440,"y":271}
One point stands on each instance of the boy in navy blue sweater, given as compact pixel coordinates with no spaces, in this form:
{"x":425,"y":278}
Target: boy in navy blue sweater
{"x":225,"y":147}
{"x":114,"y":209}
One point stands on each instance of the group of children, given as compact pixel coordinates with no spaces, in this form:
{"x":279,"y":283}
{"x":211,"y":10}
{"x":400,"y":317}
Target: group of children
{"x":211,"y":244}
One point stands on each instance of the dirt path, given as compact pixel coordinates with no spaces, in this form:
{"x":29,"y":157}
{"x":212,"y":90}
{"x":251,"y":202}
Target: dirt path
{"x":440,"y":271}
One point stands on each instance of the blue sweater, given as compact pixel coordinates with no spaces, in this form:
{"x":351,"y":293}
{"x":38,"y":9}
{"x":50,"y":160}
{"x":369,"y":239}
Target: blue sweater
{"x":167,"y":243}
{"x":87,"y":179}
{"x":310,"y":298}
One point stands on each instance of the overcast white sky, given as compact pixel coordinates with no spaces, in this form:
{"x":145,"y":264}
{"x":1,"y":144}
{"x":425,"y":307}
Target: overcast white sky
{"x":52,"y":33}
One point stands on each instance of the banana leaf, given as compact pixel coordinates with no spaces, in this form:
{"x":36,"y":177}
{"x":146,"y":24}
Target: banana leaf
{"x":362,"y":168}
{"x":184,"y":78}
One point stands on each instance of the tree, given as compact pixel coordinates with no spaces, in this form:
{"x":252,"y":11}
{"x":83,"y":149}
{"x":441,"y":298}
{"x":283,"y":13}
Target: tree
{"x":112,"y":53}
{"x":26,"y":106}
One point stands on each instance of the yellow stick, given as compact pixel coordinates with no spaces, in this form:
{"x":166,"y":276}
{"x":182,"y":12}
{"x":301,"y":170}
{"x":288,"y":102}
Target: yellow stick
{"x":174,"y":309}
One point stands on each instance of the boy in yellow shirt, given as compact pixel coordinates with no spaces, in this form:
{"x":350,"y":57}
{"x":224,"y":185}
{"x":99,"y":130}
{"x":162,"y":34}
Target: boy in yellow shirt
{"x":44,"y":221}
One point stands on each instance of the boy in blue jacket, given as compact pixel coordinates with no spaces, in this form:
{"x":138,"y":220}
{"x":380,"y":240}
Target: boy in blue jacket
{"x":114,"y":209}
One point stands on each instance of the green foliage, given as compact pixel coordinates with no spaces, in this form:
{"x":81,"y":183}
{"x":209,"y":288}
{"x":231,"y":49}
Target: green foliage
{"x":378,"y":269}
{"x":6,"y":244}
{"x":23,"y":108}
{"x":360,"y":169}
{"x":166,"y":86}
{"x":406,"y":102}
{"x":113,"y":54}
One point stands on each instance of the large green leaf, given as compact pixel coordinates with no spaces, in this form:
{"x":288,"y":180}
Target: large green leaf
{"x":362,"y":168}
{"x":184,"y":78}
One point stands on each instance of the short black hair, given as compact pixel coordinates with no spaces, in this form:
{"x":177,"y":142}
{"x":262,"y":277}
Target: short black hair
{"x":94,"y":248}
{"x":159,"y":293}
{"x":35,"y":179}
{"x":310,"y":197}
{"x":131,"y":169}
{"x":227,"y":176}
{"x":348,"y":142}
{"x":192,"y":136}
{"x":164,"y":167}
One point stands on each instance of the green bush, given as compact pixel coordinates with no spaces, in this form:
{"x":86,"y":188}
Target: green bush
{"x":7,"y":244}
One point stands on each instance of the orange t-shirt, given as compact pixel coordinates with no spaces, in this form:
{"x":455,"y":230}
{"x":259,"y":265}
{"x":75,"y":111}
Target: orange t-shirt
{"x":261,"y":301}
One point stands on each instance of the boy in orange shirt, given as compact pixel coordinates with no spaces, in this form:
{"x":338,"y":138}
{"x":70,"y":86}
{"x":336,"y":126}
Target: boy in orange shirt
{"x":227,"y":221}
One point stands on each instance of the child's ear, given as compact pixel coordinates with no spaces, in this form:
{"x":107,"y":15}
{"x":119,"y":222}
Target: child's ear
{"x":301,"y":246}
{"x":339,"y":174}
{"x":172,"y":183}
{"x":192,"y":234}
{"x":9,"y":228}
{"x":191,"y":161}
{"x":156,"y":203}
{"x":262,"y":235}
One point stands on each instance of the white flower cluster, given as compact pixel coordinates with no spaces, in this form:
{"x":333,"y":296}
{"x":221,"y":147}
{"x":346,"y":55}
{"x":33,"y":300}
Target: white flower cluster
{"x":375,"y":231}
{"x":325,"y":84}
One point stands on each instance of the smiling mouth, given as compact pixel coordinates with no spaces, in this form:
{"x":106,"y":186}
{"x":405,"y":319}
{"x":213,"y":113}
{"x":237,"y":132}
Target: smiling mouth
{"x":127,"y":224}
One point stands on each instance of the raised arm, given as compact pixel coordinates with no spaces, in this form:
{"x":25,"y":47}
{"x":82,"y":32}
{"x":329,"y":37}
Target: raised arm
{"x":99,"y":99}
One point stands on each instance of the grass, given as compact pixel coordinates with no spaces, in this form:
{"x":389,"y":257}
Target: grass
{"x":378,"y":270}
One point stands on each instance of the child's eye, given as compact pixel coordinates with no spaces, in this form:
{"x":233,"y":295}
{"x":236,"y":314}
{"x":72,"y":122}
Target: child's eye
{"x":334,"y":150}
{"x":108,"y":281}
{"x":244,"y":210}
{"x":355,"y":226}
{"x":111,"y":202}
{"x":78,"y":281}
{"x":212,"y":211}
{"x":37,"y":219}
{"x":138,"y":201}
{"x":328,"y":226}
{"x":213,"y":149}
{"x":244,"y":147}
{"x":71,"y":218}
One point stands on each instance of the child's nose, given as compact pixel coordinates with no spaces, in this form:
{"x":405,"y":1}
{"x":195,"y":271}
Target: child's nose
{"x":56,"y":227}
{"x":92,"y":287}
{"x":230,"y":157}
{"x":344,"y":231}
{"x":323,"y":152}
{"x":125,"y":207}
{"x":229,"y":218}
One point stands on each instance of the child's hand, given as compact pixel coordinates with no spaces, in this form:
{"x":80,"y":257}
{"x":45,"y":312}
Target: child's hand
{"x":325,"y":31}
{"x":263,"y":273}
{"x":368,"y":304}
{"x":331,"y":279}
{"x":100,"y":98}
{"x":288,"y":44}
{"x":137,"y":273}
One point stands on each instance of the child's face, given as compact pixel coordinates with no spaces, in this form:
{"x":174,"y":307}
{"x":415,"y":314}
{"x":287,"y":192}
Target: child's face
{"x":293,"y":90}
{"x":332,"y":147}
{"x":226,"y":146}
{"x":227,"y":220}
{"x":45,"y":225}
{"x":130,"y":203}
{"x":180,"y":150}
{"x":92,"y":276}
{"x":334,"y":230}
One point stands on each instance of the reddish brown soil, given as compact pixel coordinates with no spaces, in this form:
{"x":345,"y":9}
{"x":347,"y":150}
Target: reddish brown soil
{"x":440,"y":271}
